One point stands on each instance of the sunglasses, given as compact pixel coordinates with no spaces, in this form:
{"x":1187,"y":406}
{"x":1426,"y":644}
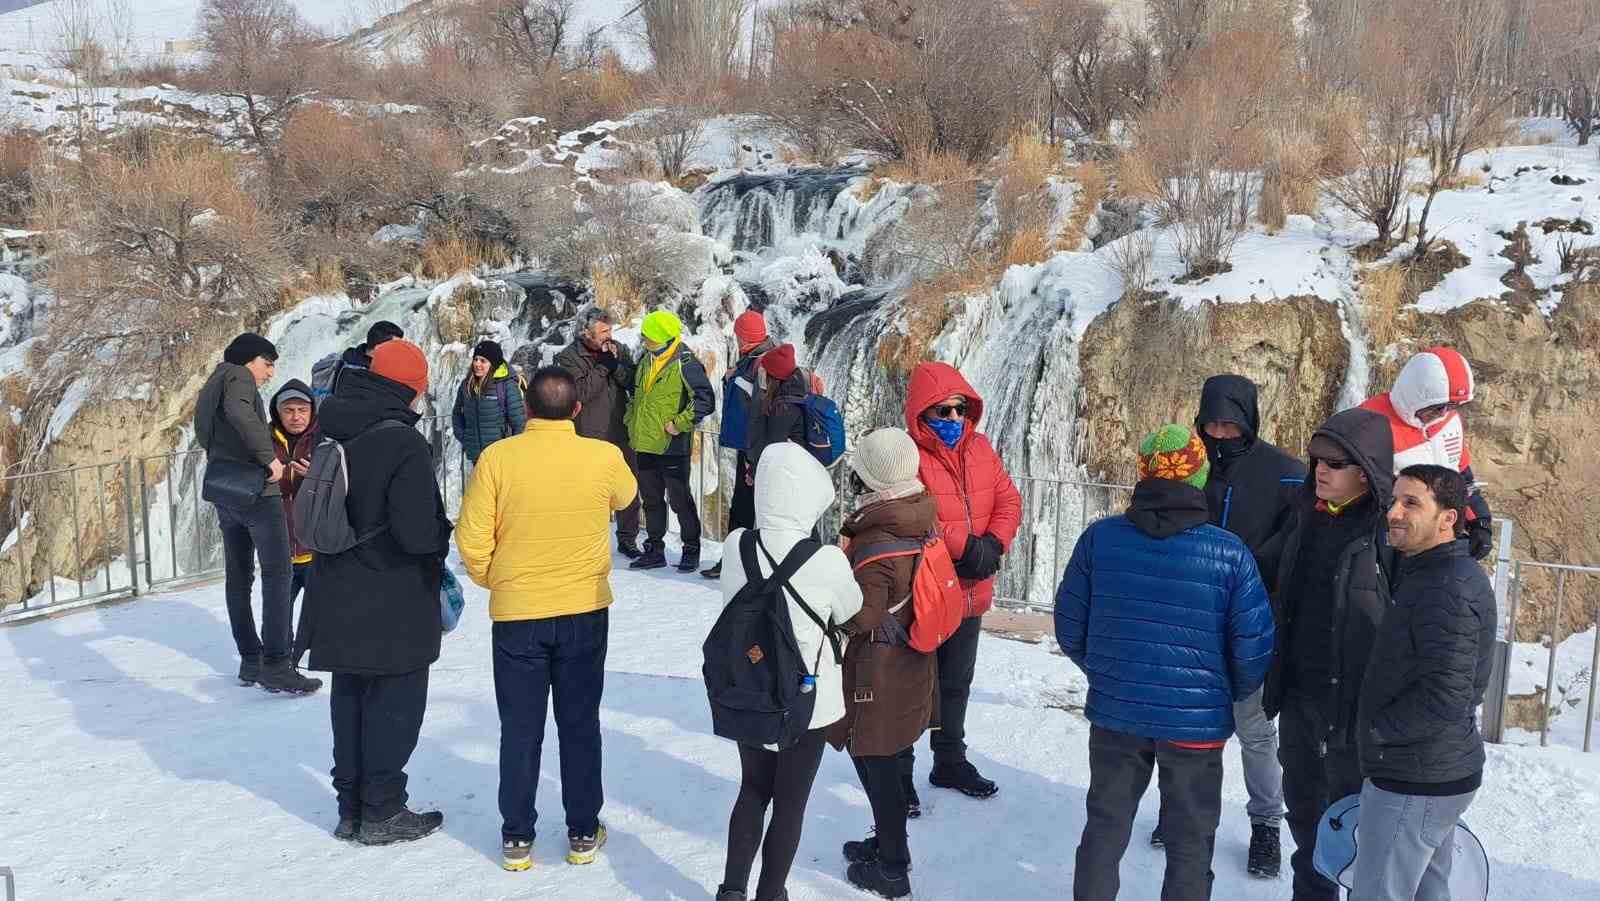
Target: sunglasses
{"x":1331,"y":463}
{"x":946,"y":411}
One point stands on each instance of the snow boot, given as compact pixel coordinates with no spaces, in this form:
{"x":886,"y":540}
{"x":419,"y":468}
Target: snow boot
{"x":880,"y":879}
{"x":281,"y":676}
{"x":913,"y":803}
{"x":690,"y":561}
{"x":864,"y":851}
{"x":516,"y":855}
{"x":347,"y":829}
{"x":1266,"y":856}
{"x":713,"y":572}
{"x":583,"y":849}
{"x":405,"y":826}
{"x":1157,"y":841}
{"x":964,"y":778}
{"x":652,"y":558}
{"x":730,"y":894}
{"x":629,"y":548}
{"x":249,"y":669}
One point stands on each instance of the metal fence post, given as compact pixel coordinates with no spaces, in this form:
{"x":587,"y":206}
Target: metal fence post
{"x":1494,"y":708}
{"x":133,"y":533}
{"x":11,"y":883}
{"x":1550,"y":673}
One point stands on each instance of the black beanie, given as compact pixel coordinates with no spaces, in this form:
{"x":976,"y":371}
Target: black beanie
{"x":247,"y":347}
{"x":490,"y":351}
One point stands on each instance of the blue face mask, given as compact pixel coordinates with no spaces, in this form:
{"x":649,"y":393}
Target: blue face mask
{"x":948,"y":430}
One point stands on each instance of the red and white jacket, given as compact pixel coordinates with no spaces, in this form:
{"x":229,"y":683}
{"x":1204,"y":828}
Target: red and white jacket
{"x":1438,"y":375}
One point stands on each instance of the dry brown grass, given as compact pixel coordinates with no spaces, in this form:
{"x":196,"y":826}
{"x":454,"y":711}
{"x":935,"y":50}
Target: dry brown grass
{"x":1093,"y":183}
{"x":1383,"y":293}
{"x":928,"y":307}
{"x":615,"y":292}
{"x":930,"y":168}
{"x":1458,"y":181}
{"x":450,"y":254}
{"x":324,"y":278}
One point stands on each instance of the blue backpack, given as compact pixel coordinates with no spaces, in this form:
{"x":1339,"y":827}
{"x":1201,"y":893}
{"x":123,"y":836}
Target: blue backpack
{"x":824,"y":428}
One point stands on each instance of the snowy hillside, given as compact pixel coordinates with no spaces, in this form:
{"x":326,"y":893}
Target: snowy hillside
{"x":143,"y":771}
{"x":154,"y":22}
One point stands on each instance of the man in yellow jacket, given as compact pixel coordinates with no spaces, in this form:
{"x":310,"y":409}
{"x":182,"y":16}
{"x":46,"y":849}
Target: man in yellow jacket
{"x":535,"y":530}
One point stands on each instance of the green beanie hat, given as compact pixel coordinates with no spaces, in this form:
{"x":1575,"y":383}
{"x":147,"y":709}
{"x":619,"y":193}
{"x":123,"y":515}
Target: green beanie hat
{"x":661,"y":327}
{"x":1173,"y":452}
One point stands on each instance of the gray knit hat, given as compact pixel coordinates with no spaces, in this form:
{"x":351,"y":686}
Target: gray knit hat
{"x":886,"y":461}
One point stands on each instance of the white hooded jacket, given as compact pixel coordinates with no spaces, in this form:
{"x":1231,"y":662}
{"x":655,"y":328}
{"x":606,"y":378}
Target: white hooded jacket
{"x":792,"y":491}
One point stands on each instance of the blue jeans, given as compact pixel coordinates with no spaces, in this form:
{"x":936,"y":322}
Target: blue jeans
{"x":259,"y":532}
{"x":1405,"y":845}
{"x":534,"y":660}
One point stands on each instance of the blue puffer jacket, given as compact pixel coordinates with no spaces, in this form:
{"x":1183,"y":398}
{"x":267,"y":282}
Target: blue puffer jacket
{"x":1167,"y":616}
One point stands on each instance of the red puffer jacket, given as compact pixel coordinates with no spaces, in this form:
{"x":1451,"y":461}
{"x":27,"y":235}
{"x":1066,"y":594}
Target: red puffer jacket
{"x":975,"y":494}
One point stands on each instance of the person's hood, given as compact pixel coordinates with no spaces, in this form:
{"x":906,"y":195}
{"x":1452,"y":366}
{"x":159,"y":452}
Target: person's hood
{"x":931,"y":383}
{"x":1435,"y":376}
{"x":1229,"y":398}
{"x":795,"y":387}
{"x":904,"y":517}
{"x":1161,"y":508}
{"x":363,"y":401}
{"x":358,"y":355}
{"x":1368,"y":439}
{"x":272,"y":408}
{"x":792,"y":489}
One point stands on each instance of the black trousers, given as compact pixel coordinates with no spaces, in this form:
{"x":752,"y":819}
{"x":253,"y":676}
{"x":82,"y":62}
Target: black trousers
{"x":782,"y":779}
{"x":258,"y":533}
{"x":1191,"y":807}
{"x":628,"y":517}
{"x":958,"y":661}
{"x":742,"y":510}
{"x":880,"y":778}
{"x":376,"y":721}
{"x":1314,"y":776}
{"x":662,"y":481}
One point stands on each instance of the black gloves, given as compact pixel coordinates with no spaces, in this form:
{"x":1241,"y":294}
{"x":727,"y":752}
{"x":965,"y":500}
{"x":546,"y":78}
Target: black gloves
{"x":1480,"y":538}
{"x":607,"y":361}
{"x":982,"y":558}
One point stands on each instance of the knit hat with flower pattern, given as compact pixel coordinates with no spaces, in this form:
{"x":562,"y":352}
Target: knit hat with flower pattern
{"x":1175,"y":453}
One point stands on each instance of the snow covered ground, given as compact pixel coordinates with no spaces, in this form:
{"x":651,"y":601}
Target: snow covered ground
{"x":139,"y":769}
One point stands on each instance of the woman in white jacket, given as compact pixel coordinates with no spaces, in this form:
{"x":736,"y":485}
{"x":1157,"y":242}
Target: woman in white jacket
{"x":792,"y":491}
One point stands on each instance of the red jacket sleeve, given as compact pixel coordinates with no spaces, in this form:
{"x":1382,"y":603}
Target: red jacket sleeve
{"x":1007,"y":516}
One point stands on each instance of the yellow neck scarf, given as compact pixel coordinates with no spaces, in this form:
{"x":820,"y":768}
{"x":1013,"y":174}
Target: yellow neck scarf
{"x":659,"y":364}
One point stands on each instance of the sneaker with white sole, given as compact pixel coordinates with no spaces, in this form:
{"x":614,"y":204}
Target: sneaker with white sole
{"x":583,"y":849}
{"x":516,"y":855}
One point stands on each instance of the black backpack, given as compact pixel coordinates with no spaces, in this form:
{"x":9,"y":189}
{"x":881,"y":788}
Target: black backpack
{"x":760,"y":689}
{"x":321,"y":518}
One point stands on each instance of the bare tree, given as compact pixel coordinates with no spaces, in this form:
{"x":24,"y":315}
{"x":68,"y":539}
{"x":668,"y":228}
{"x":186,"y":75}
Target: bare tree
{"x":533,"y":32}
{"x":698,"y":37}
{"x":253,"y":45}
{"x":80,"y":27}
{"x":1567,"y":35}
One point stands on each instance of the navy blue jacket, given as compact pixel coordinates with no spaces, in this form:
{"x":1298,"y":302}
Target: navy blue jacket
{"x":738,"y":387}
{"x":1167,"y":616}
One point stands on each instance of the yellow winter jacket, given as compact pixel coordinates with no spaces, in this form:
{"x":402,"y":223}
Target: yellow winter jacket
{"x":535,"y":524}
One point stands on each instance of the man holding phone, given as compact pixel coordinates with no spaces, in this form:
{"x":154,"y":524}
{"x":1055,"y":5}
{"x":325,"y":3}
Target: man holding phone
{"x":604,"y":373}
{"x":294,"y":437}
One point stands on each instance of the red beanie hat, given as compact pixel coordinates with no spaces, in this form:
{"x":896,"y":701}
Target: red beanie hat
{"x":749,"y":329}
{"x":401,"y":361}
{"x":779,"y":362}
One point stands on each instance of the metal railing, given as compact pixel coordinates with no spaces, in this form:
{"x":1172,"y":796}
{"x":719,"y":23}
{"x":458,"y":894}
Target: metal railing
{"x":1516,"y":586}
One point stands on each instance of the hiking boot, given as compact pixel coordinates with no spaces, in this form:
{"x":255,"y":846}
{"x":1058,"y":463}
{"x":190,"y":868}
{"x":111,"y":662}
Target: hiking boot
{"x":690,"y":561}
{"x":864,"y":851}
{"x":281,"y":676}
{"x":629,"y":548}
{"x":516,"y":855}
{"x":964,"y":778}
{"x":1156,"y":839}
{"x":347,"y":829}
{"x":913,"y":803}
{"x":880,"y":879}
{"x":652,"y":558}
{"x":405,"y":826}
{"x":730,"y":894}
{"x":1266,"y":856}
{"x":583,"y":849}
{"x":249,"y":669}
{"x":713,"y":572}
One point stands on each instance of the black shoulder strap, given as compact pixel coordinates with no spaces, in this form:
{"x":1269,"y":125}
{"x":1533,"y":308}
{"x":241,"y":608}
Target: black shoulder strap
{"x":782,"y":573}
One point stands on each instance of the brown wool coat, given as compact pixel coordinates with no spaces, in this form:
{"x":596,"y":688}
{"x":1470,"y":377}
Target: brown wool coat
{"x":904,"y":682}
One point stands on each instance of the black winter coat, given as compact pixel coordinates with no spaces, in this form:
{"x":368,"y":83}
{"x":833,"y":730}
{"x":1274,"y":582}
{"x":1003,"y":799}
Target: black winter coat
{"x":374,"y":609}
{"x":230,"y":421}
{"x":784,"y":423}
{"x":603,"y":393}
{"x":1253,"y":484}
{"x":1360,"y":590}
{"x":1428,"y":672}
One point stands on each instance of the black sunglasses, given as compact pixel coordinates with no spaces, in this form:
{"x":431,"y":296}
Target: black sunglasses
{"x":943,"y":411}
{"x":1331,"y":463}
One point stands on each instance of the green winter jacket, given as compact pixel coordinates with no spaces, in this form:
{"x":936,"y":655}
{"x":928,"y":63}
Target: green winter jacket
{"x":681,"y":393}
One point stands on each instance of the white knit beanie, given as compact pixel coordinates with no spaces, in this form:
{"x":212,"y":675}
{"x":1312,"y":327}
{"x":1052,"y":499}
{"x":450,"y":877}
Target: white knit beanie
{"x":886,"y":461}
